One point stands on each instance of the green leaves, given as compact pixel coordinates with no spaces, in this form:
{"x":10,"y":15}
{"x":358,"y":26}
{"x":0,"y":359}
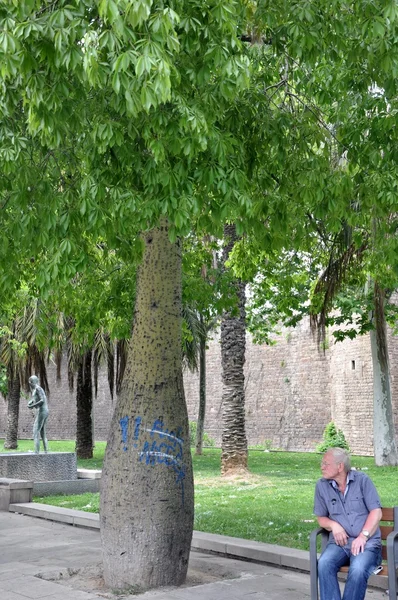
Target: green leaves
{"x":116,"y":112}
{"x":109,"y":11}
{"x":138,"y":12}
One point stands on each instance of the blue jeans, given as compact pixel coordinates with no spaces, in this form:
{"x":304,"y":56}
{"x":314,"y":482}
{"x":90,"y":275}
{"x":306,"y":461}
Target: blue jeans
{"x":361,"y":566}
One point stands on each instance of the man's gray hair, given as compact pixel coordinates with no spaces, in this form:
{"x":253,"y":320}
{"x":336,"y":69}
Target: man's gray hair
{"x":341,"y":456}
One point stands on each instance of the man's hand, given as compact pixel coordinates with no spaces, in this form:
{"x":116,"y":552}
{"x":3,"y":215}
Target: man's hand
{"x":358,"y":545}
{"x":339,"y":534}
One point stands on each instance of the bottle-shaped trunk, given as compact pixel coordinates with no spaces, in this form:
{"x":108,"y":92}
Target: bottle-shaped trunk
{"x":84,"y":407}
{"x":147,"y":484}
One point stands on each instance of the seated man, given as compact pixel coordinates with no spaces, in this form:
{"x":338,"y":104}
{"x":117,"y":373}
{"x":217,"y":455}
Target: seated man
{"x":348,"y":505}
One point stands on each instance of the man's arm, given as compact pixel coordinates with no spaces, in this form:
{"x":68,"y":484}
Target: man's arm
{"x":37,"y":399}
{"x":339,"y":533}
{"x":371,"y":524}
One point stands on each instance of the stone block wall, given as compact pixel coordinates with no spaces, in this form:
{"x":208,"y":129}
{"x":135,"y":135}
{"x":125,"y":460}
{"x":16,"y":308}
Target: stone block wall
{"x":351,"y":379}
{"x":293,"y":389}
{"x":286,"y":384}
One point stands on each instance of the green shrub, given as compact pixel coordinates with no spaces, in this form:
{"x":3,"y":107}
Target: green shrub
{"x":332,"y":438}
{"x":207,"y":440}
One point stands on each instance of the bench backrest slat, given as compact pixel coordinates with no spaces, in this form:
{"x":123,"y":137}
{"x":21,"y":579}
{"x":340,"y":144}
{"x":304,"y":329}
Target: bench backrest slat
{"x":385,"y":530}
{"x":388,"y":514}
{"x":388,"y":525}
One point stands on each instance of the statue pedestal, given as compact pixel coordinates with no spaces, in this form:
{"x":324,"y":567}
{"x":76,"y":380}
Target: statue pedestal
{"x":54,"y":466}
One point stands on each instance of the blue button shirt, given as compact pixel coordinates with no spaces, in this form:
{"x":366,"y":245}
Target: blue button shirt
{"x":350,"y":509}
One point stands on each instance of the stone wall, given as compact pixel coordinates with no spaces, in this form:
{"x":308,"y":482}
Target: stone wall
{"x":285,"y":385}
{"x":293,"y":390}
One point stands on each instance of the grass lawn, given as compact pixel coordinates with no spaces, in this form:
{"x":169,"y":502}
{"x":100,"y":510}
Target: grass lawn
{"x":273,"y":504}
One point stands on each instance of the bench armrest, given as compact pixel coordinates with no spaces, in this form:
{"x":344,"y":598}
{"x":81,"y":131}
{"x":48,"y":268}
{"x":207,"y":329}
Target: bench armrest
{"x":392,"y":560}
{"x":314,"y":535}
{"x":314,"y":558}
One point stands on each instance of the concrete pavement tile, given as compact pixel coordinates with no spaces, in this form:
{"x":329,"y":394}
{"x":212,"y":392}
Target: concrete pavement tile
{"x":30,"y":587}
{"x":9,"y":595}
{"x":16,"y":570}
{"x":222,"y":590}
{"x":192,"y":594}
{"x":69,"y":594}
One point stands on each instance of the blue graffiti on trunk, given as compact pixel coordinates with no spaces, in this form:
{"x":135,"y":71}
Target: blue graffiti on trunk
{"x":164,"y":447}
{"x":124,"y":426}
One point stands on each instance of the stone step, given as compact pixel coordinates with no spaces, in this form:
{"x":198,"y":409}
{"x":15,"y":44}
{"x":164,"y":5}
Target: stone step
{"x":79,"y":518}
{"x":89,"y":473}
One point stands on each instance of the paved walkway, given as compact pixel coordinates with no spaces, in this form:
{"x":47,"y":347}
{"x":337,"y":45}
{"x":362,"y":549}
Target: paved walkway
{"x":38,"y":560}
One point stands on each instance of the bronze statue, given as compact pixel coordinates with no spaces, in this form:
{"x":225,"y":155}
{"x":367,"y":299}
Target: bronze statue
{"x":39,"y":402}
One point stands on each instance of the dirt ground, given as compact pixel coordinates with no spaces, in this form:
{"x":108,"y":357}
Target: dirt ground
{"x":203,"y":568}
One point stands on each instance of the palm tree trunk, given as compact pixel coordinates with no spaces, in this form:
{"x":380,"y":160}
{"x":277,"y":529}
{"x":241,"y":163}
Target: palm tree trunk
{"x":147,"y":483}
{"x":385,"y":449}
{"x":233,"y":344}
{"x":202,"y":392}
{"x":14,"y":396}
{"x":84,"y":405}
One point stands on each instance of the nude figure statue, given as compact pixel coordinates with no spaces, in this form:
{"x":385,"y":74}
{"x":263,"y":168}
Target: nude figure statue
{"x":38,"y":402}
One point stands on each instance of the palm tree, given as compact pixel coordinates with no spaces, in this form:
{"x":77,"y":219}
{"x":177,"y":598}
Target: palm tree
{"x":233,"y":344}
{"x":22,"y":356}
{"x":84,"y":361}
{"x":196,"y":329}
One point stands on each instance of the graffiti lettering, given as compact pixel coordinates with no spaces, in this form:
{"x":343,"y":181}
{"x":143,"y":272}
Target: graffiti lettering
{"x":137,"y":427}
{"x":164,"y":447}
{"x":124,"y":426}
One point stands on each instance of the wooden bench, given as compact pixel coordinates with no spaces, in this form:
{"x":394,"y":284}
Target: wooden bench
{"x":389,"y":533}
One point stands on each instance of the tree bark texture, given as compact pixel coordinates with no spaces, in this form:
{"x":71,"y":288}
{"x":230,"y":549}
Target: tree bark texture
{"x":233,"y":345}
{"x":14,"y":396}
{"x":84,"y":406}
{"x":202,"y":394}
{"x":147,"y":484}
{"x":385,"y":449}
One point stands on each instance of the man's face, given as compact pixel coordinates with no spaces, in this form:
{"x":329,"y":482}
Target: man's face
{"x":330,"y":469}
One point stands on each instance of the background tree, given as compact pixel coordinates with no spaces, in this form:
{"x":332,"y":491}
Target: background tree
{"x":327,"y":280}
{"x":206,"y":294}
{"x":233,"y":344}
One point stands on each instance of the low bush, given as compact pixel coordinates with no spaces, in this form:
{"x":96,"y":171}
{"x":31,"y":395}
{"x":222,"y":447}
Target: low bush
{"x":207,"y":440}
{"x":332,"y":438}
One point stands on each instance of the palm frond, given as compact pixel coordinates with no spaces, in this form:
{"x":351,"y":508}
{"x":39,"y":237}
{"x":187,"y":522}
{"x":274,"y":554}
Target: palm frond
{"x":194,"y":329}
{"x":341,"y":261}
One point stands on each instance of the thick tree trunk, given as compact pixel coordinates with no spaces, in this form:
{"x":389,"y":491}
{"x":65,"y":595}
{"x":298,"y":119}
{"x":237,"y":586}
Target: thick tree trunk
{"x":202,"y":393}
{"x":14,"y":396}
{"x":233,"y":344}
{"x":385,"y":449}
{"x":147,"y":483}
{"x":84,"y":405}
